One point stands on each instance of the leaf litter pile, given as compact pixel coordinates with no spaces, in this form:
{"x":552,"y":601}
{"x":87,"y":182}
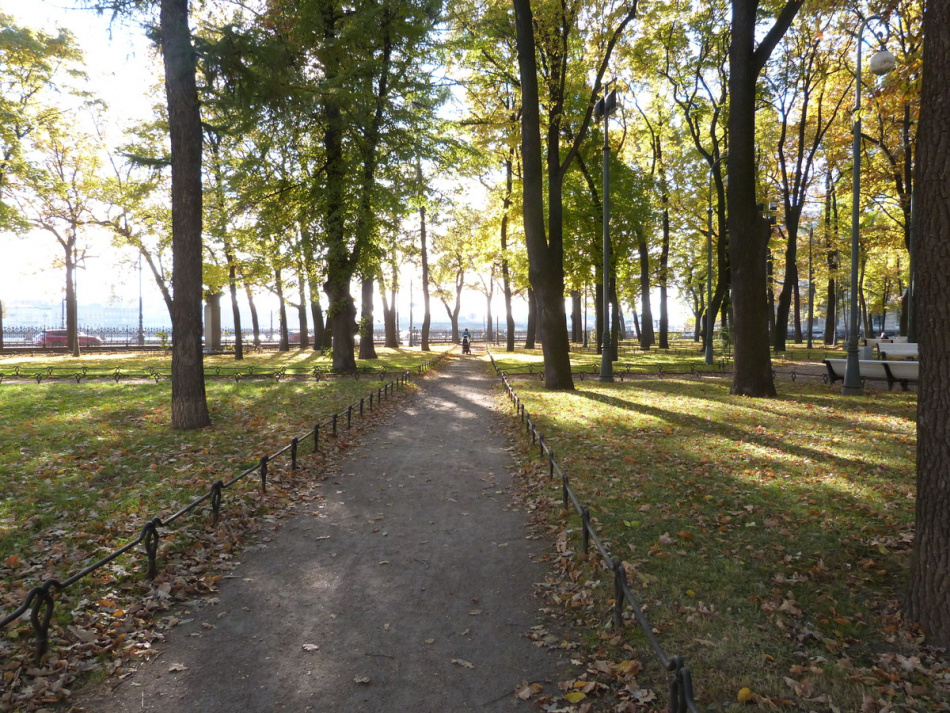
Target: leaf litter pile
{"x":86,"y":465}
{"x":768,"y":542}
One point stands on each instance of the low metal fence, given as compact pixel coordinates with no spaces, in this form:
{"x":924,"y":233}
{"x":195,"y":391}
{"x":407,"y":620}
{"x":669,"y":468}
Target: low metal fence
{"x":622,"y":371}
{"x":681,"y":683}
{"x":40,"y":600}
{"x":235,"y":373}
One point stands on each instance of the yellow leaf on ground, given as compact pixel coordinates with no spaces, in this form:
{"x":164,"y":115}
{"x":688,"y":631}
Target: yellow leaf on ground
{"x":745,"y":695}
{"x":575,"y":697}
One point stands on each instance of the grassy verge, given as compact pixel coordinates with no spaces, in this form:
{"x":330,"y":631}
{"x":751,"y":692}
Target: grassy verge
{"x":768,"y":540}
{"x":84,"y":466}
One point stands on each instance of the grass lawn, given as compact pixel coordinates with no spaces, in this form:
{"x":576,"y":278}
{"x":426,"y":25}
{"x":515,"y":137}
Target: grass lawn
{"x":768,"y":540}
{"x":84,"y":466}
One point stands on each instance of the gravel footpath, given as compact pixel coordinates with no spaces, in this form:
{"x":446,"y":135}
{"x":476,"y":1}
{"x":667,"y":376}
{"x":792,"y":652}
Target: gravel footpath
{"x":404,"y":585}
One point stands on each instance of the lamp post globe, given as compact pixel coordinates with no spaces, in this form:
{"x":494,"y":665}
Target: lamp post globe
{"x":882,"y":62}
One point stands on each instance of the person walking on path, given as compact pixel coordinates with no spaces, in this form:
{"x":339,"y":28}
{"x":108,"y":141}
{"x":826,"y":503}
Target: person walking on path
{"x":404,"y":586}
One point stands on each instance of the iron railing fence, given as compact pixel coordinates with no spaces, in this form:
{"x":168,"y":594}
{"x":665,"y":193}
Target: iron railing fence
{"x":234,"y":373}
{"x":40,"y":600}
{"x":681,"y":683}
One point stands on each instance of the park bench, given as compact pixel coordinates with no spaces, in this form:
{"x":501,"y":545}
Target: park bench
{"x":907,"y":350}
{"x":873,"y":342}
{"x":893,"y":372}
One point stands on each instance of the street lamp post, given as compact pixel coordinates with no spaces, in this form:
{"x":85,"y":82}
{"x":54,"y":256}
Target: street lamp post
{"x":710,"y":315}
{"x":411,"y":344}
{"x":881,"y":63}
{"x":603,"y":109}
{"x":141,"y":339}
{"x":811,"y":287}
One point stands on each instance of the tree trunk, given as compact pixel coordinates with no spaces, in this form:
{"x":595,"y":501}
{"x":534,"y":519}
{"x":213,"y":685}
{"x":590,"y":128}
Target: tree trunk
{"x":340,"y":264}
{"x":316,"y":313}
{"x":928,"y":595}
{"x":770,"y":293}
{"x":664,"y":278}
{"x":545,"y":253}
{"x":505,"y":276}
{"x":235,"y":310}
{"x":863,"y":310}
{"x":302,"y":311}
{"x":748,"y":229}
{"x":389,"y":318}
{"x":647,"y":337}
{"x":367,"y":347}
{"x":489,"y":318}
{"x":577,"y":319}
{"x":791,"y":281}
{"x":426,"y":314}
{"x":255,"y":320}
{"x":189,"y":404}
{"x":283,"y":341}
{"x":327,"y":343}
{"x":531,"y":330}
{"x":615,"y":325}
{"x":72,"y":312}
{"x":797,"y":313}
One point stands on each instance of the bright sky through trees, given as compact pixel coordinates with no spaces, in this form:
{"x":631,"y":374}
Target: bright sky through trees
{"x":117,"y":62}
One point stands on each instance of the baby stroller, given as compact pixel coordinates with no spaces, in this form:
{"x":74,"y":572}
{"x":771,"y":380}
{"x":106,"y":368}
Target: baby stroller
{"x":466,"y":347}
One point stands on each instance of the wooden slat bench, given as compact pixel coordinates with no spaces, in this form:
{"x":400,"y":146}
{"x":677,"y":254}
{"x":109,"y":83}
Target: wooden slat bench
{"x":907,"y":350}
{"x":893,"y":372}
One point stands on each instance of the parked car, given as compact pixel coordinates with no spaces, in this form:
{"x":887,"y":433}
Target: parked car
{"x":58,"y":338}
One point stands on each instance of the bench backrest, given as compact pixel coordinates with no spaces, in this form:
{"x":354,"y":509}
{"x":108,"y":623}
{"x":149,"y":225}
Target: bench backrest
{"x":909,"y":370}
{"x":898,"y":350}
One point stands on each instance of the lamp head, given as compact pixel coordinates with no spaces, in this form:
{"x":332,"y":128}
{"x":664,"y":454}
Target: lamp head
{"x":606,"y":106}
{"x":882,"y":62}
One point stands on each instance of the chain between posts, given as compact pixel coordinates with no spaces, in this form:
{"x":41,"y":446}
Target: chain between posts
{"x":681,"y":683}
{"x":40,"y":600}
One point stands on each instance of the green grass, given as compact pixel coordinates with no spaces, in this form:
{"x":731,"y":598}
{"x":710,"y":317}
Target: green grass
{"x":92,"y":461}
{"x":768,"y":539}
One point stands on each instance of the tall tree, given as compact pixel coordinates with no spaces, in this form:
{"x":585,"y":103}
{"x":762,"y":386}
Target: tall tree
{"x":928,"y":596}
{"x":556,"y":27}
{"x":59,"y":196}
{"x":748,"y":229}
{"x":189,"y":403}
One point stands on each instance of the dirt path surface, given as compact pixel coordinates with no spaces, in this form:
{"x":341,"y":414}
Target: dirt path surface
{"x":406,"y":587}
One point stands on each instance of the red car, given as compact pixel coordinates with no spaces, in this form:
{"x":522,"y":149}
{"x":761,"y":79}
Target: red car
{"x":58,"y":338}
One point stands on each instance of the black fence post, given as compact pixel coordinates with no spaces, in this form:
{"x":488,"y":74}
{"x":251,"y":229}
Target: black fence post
{"x":44,"y":599}
{"x":316,"y":438}
{"x":551,"y":462}
{"x":361,"y":407}
{"x":619,"y":576}
{"x":293,"y":453}
{"x":564,"y":487}
{"x":150,"y":541}
{"x":585,"y":517}
{"x":334,"y":419}
{"x":349,"y":416}
{"x":264,"y":461}
{"x":216,"y":500}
